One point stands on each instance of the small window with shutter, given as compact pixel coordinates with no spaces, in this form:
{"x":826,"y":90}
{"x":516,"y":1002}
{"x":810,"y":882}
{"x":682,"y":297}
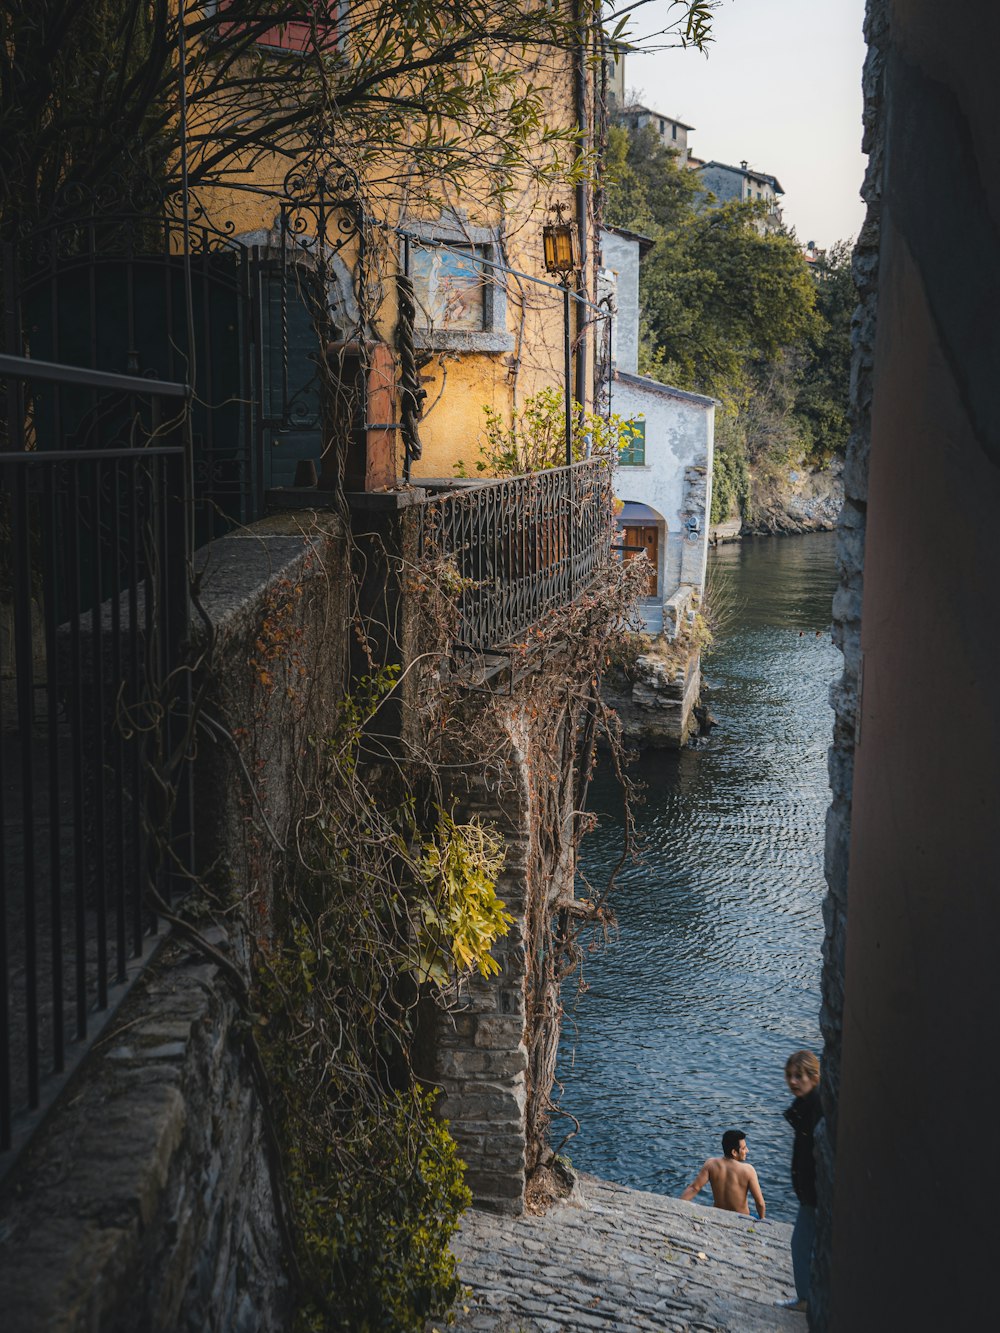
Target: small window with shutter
{"x":634,"y":453}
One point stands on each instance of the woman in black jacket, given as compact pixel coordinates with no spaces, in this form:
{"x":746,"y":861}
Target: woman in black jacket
{"x":802,"y":1077}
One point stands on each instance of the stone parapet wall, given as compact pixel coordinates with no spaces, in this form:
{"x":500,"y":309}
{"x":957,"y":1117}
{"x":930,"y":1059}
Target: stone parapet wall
{"x":678,"y":611}
{"x":145,"y":1202}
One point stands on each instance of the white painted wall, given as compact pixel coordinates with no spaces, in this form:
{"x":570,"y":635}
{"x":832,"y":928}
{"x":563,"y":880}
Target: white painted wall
{"x":680,"y":432}
{"x":621,"y":254}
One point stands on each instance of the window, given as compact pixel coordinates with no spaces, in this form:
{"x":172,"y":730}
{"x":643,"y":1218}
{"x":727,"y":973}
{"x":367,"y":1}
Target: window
{"x":662,"y":127}
{"x":634,"y":453}
{"x":673,"y":131}
{"x":451,"y":287}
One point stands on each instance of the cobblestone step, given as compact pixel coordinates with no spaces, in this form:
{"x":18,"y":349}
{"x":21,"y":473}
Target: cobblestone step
{"x":615,"y":1260}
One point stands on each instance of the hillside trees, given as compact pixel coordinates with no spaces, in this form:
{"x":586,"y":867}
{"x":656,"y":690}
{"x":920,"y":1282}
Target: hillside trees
{"x":733,"y":310}
{"x":821,"y":405}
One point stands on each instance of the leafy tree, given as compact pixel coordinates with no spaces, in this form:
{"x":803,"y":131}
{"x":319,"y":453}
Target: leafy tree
{"x":720,"y":295}
{"x":731,"y":309}
{"x":407,"y":93}
{"x":822,"y":404}
{"x":646,"y":190}
{"x":718,"y":292}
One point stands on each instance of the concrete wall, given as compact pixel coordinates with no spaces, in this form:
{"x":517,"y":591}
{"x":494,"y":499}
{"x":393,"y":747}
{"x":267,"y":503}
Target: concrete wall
{"x":676,"y":478}
{"x":913,"y":913}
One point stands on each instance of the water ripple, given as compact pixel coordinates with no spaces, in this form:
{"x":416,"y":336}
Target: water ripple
{"x":713,"y":976}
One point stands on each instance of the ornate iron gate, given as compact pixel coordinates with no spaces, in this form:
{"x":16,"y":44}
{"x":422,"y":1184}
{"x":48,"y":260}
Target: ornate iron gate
{"x":243,"y":321}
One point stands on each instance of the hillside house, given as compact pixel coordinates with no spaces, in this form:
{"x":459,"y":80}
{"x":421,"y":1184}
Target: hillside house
{"x":745,"y":185}
{"x":671,"y":132}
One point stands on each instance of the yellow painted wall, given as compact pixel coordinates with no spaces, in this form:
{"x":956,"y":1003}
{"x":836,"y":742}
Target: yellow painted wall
{"x":459,"y":384}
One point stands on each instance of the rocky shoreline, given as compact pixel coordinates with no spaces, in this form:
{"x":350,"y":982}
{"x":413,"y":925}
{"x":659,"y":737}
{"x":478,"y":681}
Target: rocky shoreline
{"x":787,"y":503}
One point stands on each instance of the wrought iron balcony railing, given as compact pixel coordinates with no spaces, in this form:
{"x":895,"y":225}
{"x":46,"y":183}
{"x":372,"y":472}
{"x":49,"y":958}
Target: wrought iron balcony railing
{"x":521,"y":547}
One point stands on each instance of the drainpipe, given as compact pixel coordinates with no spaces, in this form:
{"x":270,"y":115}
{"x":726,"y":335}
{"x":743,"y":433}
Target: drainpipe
{"x":583,"y":144}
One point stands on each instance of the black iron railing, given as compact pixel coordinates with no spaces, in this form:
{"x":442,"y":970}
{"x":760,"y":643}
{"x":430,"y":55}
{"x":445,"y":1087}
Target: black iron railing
{"x":93,"y":612}
{"x":521,"y":547}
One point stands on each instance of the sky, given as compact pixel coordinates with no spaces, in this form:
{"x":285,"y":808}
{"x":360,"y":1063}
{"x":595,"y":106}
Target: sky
{"x":781,"y":88}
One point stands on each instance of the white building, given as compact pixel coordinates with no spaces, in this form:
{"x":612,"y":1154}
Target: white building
{"x":670,"y":131}
{"x":745,"y":184}
{"x":664,"y":478}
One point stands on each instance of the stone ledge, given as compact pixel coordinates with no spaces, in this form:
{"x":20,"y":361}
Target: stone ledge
{"x":137,"y":1202}
{"x":616,"y":1259}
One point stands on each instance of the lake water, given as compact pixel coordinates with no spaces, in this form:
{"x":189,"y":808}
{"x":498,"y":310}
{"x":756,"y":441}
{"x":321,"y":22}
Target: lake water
{"x":712,"y":978}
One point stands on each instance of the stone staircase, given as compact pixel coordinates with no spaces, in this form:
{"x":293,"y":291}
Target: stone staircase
{"x":623,"y":1261}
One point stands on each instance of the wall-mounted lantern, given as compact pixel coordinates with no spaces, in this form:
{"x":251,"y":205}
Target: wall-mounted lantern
{"x":562,"y":257}
{"x":562,"y":252}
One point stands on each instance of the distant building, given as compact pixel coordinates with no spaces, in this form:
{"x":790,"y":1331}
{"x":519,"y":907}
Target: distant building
{"x":614,"y":79}
{"x":745,"y":184}
{"x":670,"y":131}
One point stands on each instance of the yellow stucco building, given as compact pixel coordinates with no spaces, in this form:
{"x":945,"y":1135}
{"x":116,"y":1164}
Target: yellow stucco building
{"x":486,"y":326}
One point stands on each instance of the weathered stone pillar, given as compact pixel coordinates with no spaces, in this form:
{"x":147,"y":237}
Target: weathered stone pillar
{"x":492,"y":1045}
{"x":481,"y":1054}
{"x":913,"y":912}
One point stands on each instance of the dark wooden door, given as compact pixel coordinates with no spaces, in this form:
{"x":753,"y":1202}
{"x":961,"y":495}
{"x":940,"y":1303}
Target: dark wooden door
{"x":648,"y":540}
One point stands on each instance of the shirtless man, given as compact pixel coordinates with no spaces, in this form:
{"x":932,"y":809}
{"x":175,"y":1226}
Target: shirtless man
{"x":731,"y":1177}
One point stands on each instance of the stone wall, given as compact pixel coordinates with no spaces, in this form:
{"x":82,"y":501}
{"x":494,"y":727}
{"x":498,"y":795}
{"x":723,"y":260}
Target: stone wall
{"x":656,"y":707}
{"x":847,"y":636}
{"x":144,"y":1202}
{"x":491,"y":1045}
{"x":480,"y":1059}
{"x":913,"y":936}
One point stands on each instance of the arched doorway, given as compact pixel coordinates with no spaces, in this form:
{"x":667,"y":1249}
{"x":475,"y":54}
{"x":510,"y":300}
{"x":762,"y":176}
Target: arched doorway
{"x":643,"y":531}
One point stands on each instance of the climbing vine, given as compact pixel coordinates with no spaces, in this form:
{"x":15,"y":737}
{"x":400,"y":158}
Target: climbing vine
{"x":366,"y":912}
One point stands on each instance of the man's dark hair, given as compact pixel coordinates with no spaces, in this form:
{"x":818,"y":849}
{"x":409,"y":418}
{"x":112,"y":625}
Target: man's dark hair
{"x":731,"y":1139}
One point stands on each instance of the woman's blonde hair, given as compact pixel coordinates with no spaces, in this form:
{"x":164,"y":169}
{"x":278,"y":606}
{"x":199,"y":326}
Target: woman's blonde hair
{"x":803,"y":1062}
